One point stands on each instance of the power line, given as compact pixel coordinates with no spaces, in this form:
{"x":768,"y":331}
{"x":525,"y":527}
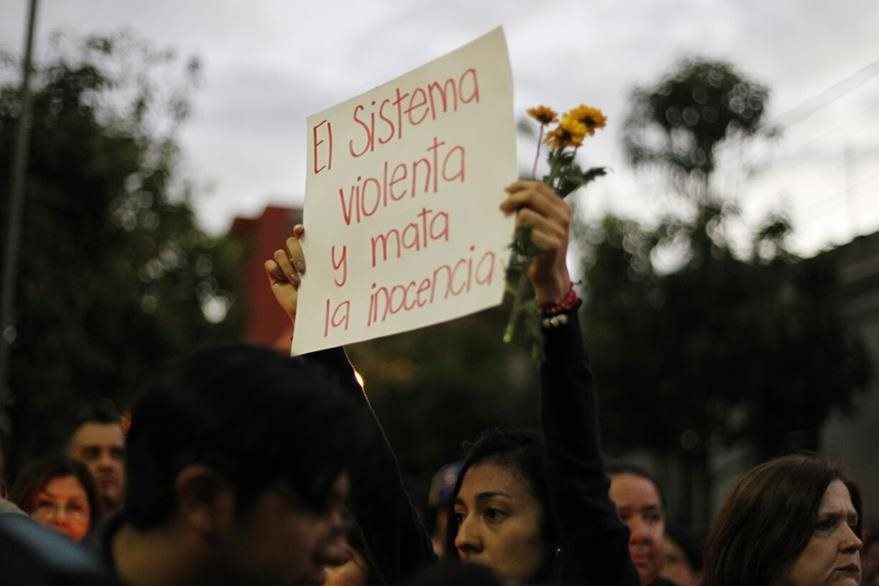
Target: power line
{"x":807,"y":108}
{"x":823,"y":202}
{"x":826,"y":97}
{"x":13,"y":234}
{"x":840,"y":130}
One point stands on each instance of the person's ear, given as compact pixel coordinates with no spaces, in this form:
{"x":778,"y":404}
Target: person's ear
{"x":205,"y":502}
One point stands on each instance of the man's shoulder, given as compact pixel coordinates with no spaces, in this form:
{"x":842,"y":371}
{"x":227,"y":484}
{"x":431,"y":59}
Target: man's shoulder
{"x":32,"y":555}
{"x":10,"y":508}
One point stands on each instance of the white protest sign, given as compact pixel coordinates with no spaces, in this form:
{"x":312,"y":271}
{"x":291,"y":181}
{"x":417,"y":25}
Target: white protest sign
{"x":402,"y":227}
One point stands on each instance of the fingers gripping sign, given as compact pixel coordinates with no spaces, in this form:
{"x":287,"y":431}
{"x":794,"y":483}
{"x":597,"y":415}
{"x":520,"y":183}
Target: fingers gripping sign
{"x":285,"y":270}
{"x":549,"y":216}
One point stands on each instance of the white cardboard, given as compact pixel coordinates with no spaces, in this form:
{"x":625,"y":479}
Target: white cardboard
{"x":449,"y":122}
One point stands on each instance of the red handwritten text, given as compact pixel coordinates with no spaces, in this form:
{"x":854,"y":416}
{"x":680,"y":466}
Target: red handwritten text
{"x":447,"y":280}
{"x":429,"y":226}
{"x":369,"y":194}
{"x":412,"y":107}
{"x":326,"y":128}
{"x":341,"y":263}
{"x":336,"y":316}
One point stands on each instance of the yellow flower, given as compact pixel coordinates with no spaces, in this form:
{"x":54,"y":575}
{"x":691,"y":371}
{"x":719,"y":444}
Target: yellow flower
{"x":543,"y":114}
{"x":569,"y":132}
{"x":592,"y":118}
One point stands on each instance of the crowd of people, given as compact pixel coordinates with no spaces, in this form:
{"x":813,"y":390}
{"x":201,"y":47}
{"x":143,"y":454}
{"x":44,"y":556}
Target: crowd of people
{"x":242,"y":466}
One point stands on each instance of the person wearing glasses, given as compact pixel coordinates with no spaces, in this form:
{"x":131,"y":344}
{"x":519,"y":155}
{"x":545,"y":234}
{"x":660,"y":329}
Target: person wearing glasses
{"x":59,"y":494}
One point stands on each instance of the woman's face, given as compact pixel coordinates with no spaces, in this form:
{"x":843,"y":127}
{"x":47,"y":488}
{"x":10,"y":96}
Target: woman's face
{"x":639,"y":506}
{"x":832,"y":557}
{"x":63,"y":505}
{"x":499,"y":522}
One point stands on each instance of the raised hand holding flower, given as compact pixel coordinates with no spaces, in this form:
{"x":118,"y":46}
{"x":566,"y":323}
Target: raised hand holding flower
{"x":564,"y":176}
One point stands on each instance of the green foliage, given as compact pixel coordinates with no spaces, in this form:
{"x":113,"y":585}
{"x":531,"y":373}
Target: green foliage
{"x":523,"y":324}
{"x":115,"y":276}
{"x":565,"y":174}
{"x":735,"y":350}
{"x":678,"y":123}
{"x":725,"y":348}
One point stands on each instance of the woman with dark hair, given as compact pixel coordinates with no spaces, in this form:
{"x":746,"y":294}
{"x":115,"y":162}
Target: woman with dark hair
{"x":60,"y":494}
{"x":534,"y":507}
{"x":640,"y":503}
{"x":792,"y":521}
{"x":499,"y":507}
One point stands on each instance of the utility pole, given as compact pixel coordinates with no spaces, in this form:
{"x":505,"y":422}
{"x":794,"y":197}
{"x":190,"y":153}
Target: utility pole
{"x":848,"y":157}
{"x":13,"y":229}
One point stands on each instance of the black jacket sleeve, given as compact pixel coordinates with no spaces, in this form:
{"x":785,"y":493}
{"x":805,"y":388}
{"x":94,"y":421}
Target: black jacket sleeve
{"x":396,"y":540}
{"x":594,"y":542}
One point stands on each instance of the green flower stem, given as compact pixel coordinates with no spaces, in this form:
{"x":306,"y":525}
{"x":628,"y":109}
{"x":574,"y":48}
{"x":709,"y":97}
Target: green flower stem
{"x":519,"y":305}
{"x":537,"y":154}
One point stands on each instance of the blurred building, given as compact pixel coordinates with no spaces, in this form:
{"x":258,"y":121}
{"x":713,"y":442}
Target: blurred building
{"x":266,"y":324}
{"x":854,"y":441}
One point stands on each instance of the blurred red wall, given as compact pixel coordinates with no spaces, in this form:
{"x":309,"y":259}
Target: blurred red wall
{"x":266,"y":324}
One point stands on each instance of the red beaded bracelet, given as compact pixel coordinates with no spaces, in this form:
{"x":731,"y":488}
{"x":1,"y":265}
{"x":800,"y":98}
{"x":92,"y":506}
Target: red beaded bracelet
{"x":570,"y":301}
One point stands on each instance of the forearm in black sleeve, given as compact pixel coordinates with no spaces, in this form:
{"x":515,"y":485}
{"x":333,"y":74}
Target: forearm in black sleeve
{"x":594,"y":542}
{"x":394,"y":534}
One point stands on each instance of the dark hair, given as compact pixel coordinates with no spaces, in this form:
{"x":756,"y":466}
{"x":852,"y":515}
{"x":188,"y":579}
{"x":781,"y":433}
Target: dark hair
{"x":102,"y":412}
{"x":625,"y":467}
{"x":522,"y":452}
{"x":255,"y":417}
{"x":440,"y":495}
{"x":689,"y":543}
{"x":357,"y":542}
{"x":768,"y":519}
{"x":36,"y":475}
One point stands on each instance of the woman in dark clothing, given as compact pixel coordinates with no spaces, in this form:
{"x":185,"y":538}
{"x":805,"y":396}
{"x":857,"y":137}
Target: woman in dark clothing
{"x":792,"y":521}
{"x":535,"y":507}
{"x":388,"y":542}
{"x":576,"y":537}
{"x":532,"y":507}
